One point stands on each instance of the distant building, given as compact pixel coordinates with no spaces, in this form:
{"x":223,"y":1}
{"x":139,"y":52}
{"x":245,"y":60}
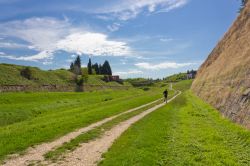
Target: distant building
{"x":191,"y":74}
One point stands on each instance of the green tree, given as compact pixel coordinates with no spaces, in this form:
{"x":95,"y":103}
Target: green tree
{"x":78,"y":61}
{"x":96,"y":68}
{"x":76,"y":66}
{"x":90,"y":67}
{"x":106,"y":68}
{"x":72,"y":67}
{"x":100,"y":69}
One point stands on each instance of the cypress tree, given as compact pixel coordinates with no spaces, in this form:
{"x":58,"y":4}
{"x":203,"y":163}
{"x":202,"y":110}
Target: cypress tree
{"x":90,"y":67}
{"x":77,"y":66}
{"x":106,"y":68}
{"x":78,"y":61}
{"x":72,"y":67}
{"x":96,"y":68}
{"x":100,"y":69}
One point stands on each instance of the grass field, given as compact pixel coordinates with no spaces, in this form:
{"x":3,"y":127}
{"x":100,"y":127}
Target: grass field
{"x":185,"y":132}
{"x":96,"y":132}
{"x":27,"y":119}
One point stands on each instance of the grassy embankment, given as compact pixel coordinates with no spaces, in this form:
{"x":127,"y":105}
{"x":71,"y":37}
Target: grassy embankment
{"x":27,"y":119}
{"x":187,"y":131}
{"x":10,"y":75}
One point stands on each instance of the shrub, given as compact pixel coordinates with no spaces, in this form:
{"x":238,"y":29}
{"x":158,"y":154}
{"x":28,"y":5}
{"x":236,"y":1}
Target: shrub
{"x":79,"y":81}
{"x":26,"y":73}
{"x":146,"y":88}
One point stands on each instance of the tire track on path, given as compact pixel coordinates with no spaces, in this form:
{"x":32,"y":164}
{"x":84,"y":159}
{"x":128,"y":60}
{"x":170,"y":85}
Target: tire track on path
{"x":36,"y":153}
{"x":88,"y":154}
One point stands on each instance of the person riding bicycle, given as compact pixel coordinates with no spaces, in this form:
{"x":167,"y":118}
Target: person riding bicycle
{"x":165,"y":93}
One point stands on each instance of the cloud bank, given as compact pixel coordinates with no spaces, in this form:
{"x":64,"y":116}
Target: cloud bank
{"x":164,"y":65}
{"x":129,"y":9}
{"x":49,"y":35}
{"x":129,"y":72}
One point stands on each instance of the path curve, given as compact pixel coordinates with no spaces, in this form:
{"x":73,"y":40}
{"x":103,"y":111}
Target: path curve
{"x":36,"y":153}
{"x":88,"y":154}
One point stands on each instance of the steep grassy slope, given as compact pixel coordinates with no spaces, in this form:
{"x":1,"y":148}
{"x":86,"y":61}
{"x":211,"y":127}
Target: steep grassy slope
{"x":186,"y":131}
{"x":224,"y":79}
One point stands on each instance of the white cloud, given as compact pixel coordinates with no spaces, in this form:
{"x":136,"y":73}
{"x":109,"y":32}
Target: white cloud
{"x":40,"y":56}
{"x":166,"y":39}
{"x":173,"y":5}
{"x":40,"y":32}
{"x":151,"y":8}
{"x":12,"y":45}
{"x":49,"y":35}
{"x":123,"y":61}
{"x":103,"y":17}
{"x":128,"y":9}
{"x":130,"y":72}
{"x":70,"y":60}
{"x":114,"y":27}
{"x":95,"y":44}
{"x":164,"y":65}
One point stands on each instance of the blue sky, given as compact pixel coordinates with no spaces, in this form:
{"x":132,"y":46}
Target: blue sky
{"x":140,"y":38}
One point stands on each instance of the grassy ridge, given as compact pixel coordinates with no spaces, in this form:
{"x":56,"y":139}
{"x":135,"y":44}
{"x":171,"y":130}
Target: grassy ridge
{"x":185,"y":132}
{"x":10,"y":75}
{"x":32,"y":118}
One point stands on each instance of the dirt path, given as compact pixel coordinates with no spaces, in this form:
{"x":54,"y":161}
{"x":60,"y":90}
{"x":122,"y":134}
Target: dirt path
{"x":36,"y":153}
{"x":88,"y":154}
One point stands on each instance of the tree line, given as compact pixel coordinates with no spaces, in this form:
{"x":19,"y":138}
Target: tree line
{"x":99,"y":69}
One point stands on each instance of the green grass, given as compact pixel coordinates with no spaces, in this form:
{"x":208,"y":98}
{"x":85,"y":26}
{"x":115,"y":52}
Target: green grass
{"x":95,"y":133}
{"x":28,"y":119}
{"x":10,"y":75}
{"x":98,"y":131}
{"x":176,"y":77}
{"x":182,"y":85}
{"x":185,"y":132}
{"x":16,"y":107}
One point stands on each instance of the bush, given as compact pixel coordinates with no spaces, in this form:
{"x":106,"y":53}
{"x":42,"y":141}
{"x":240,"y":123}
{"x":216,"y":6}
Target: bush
{"x":26,"y":73}
{"x":79,"y":81}
{"x":163,"y":85}
{"x":146,"y":88}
